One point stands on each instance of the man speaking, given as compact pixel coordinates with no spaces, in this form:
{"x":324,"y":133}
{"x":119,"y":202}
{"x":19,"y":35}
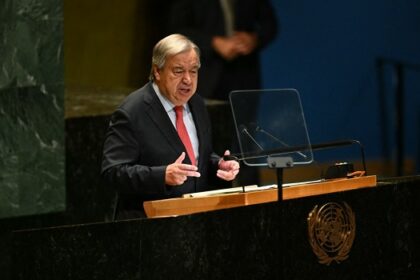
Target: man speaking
{"x":158,"y":144}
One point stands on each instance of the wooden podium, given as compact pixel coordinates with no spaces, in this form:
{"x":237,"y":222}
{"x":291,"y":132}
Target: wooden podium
{"x":223,"y":199}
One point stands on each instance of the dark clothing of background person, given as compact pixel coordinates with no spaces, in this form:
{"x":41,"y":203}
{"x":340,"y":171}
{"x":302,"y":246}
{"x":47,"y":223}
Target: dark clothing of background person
{"x":201,"y":20}
{"x":139,"y":144}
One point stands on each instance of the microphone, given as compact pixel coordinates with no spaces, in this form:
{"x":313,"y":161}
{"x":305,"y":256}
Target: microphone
{"x":275,"y":139}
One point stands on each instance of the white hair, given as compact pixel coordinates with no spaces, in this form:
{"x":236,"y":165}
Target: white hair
{"x":169,"y":46}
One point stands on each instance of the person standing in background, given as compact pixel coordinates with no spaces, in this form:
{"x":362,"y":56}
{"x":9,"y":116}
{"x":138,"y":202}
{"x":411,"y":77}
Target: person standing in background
{"x":230,"y":34}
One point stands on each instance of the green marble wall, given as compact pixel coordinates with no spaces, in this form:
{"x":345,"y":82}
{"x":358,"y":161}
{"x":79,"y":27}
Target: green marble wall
{"x":31,"y":107}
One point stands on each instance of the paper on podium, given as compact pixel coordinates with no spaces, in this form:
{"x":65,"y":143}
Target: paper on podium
{"x":250,"y":188}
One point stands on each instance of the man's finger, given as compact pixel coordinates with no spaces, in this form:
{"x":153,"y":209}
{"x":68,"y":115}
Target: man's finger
{"x":224,"y":175}
{"x":181,"y":158}
{"x":193,"y":174}
{"x":188,"y":170}
{"x":187,"y":167}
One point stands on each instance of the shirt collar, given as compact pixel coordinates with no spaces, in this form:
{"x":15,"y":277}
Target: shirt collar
{"x":168,"y":105}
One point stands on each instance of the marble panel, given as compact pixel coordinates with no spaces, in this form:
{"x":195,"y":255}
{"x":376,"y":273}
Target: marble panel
{"x":31,"y":43}
{"x":31,"y":108}
{"x":31,"y":151}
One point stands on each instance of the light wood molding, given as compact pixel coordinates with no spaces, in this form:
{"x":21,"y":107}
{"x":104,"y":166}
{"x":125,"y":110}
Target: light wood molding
{"x":190,"y":205}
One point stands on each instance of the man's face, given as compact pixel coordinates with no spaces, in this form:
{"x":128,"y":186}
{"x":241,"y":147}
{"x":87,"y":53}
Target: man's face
{"x":177,"y":80}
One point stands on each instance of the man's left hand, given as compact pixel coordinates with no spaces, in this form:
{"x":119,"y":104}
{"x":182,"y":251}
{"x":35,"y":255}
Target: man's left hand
{"x":227,"y":169}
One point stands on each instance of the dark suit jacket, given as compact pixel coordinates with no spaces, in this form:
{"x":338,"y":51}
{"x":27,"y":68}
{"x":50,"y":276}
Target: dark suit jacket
{"x":141,"y":141}
{"x":201,"y":20}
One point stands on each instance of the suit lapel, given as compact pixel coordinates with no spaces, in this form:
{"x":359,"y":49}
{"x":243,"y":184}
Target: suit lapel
{"x":199,"y":126}
{"x":161,"y":120}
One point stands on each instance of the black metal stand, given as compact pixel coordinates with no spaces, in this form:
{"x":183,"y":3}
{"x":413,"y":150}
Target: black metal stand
{"x":279,"y":163}
{"x":399,"y":68}
{"x":279,"y":172}
{"x":399,"y":129}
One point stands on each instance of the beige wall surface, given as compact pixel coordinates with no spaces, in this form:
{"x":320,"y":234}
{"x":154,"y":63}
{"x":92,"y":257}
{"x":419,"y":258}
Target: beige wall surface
{"x":108,"y":43}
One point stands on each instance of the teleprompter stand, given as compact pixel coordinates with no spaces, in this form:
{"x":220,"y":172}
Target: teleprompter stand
{"x":279,"y":163}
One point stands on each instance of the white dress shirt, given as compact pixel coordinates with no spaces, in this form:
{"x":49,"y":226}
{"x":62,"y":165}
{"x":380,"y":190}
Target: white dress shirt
{"x":187,"y":116}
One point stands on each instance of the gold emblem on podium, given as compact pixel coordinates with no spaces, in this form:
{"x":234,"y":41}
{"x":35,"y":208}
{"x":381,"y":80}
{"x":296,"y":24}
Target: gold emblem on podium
{"x":331,"y":229}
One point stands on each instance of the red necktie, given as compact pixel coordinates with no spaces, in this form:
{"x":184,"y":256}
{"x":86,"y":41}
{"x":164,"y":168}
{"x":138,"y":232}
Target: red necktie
{"x":183,"y":133}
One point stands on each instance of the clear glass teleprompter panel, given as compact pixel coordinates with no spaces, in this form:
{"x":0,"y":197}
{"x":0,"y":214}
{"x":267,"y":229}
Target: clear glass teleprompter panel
{"x":270,"y":123}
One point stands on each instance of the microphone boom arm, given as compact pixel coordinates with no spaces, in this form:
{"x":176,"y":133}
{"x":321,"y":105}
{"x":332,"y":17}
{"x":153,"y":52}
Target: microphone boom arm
{"x":320,"y":146}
